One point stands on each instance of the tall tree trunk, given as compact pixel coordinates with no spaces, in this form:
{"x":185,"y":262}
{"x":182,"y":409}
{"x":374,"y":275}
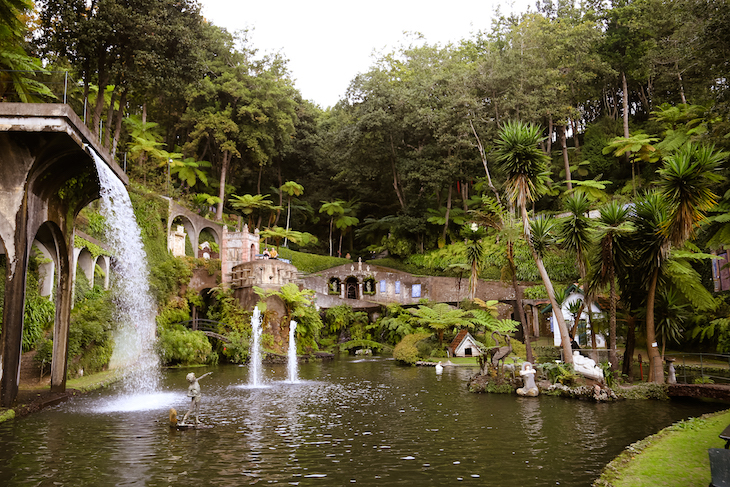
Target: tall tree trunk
{"x":396,"y":182}
{"x":656,"y":371}
{"x":630,"y":346}
{"x":576,"y":142}
{"x":118,"y":122}
{"x":612,"y":357}
{"x":681,"y":83}
{"x":526,"y":331}
{"x":258,"y":182}
{"x":222,"y":189}
{"x":566,"y":159}
{"x":99,"y":106}
{"x":625,"y":100}
{"x":465,"y":196}
{"x":564,"y":340}
{"x":448,"y":214}
{"x":550,"y":135}
{"x":281,"y":193}
{"x":288,"y":215}
{"x":110,"y":118}
{"x":483,"y":155}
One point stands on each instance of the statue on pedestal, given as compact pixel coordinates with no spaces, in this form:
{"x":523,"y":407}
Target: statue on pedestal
{"x":194,"y":395}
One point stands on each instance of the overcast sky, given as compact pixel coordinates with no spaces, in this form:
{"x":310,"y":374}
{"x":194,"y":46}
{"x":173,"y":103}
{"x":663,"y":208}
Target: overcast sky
{"x":328,"y":42}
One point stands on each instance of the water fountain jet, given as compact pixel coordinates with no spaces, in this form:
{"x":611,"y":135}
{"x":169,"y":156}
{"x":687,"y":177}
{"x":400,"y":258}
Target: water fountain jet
{"x":254,"y":375}
{"x":292,"y":355}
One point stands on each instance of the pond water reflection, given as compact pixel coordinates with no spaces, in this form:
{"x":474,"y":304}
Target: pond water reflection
{"x":364,"y":421}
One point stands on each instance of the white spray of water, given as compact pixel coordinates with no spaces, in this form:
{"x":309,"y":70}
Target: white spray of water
{"x":135,"y":314}
{"x":291,"y":366}
{"x":254,"y":371}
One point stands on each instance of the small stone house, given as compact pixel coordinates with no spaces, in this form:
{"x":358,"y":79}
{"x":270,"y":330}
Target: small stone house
{"x":464,"y":345}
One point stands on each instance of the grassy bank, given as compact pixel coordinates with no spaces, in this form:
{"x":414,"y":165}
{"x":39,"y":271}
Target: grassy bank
{"x":31,"y":399}
{"x":674,"y":457}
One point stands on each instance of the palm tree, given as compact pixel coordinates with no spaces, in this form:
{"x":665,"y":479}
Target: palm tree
{"x":292,"y":189}
{"x":652,"y":250}
{"x":637,"y":147}
{"x":441,"y":316}
{"x":686,"y":181}
{"x":333,"y":209}
{"x":613,"y":227}
{"x":248,"y":203}
{"x":576,"y":235}
{"x":526,"y":168}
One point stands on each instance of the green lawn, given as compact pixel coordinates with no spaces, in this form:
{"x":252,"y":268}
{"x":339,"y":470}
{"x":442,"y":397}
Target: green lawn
{"x":674,"y":457}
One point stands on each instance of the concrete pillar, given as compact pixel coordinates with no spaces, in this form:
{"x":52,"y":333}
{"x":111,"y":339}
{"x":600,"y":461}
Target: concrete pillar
{"x":13,"y":315}
{"x":64,"y":301}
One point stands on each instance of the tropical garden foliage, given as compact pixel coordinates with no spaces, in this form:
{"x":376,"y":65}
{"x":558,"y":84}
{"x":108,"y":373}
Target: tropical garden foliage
{"x":522,"y":128}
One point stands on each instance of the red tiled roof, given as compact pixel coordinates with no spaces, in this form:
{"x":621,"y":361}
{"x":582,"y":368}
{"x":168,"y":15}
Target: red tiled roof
{"x":458,"y":339}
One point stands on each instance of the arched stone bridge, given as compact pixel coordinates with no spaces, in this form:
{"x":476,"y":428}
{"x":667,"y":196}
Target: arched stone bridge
{"x":47,"y":176}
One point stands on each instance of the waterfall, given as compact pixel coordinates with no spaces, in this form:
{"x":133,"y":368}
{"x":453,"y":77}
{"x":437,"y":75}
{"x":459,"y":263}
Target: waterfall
{"x":254,"y":371}
{"x":136,"y":310}
{"x":291,"y":367}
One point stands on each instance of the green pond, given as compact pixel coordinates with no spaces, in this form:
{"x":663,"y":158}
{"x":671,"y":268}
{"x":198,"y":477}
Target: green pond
{"x":347,"y":421}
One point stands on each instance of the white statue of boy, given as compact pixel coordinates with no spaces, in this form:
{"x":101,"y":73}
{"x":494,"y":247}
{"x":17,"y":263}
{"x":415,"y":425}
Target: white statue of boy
{"x":194,"y":395}
{"x":528,"y":377}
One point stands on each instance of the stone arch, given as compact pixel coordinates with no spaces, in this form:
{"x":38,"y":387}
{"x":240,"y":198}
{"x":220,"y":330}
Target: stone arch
{"x":334,"y":285}
{"x":369,"y":285}
{"x":190,"y":230}
{"x":216,"y":238}
{"x":352,"y":288}
{"x":252,"y":253}
{"x":47,"y":269}
{"x":103,"y":262}
{"x":85,"y":261}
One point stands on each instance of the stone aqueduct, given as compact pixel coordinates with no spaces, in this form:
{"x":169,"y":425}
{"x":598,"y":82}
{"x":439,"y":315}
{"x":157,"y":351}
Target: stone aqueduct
{"x":47,"y":175}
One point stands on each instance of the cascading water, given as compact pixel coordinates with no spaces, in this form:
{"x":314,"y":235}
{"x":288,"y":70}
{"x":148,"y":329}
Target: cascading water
{"x":254,"y":371}
{"x":135,"y":314}
{"x":292,"y":355}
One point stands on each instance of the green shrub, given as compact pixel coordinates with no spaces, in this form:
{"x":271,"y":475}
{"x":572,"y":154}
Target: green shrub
{"x":559,"y":372}
{"x":237,"y":350}
{"x":227,"y":309}
{"x":40,"y":314}
{"x":406,"y":351}
{"x":94,"y":358}
{"x":424,"y":349}
{"x":183,"y":347}
{"x":175,"y":311}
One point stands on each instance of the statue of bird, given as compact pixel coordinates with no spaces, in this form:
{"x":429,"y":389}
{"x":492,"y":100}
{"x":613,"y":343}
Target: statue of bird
{"x":499,"y":353}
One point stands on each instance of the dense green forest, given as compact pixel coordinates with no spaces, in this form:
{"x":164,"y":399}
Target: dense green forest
{"x":439,"y":155}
